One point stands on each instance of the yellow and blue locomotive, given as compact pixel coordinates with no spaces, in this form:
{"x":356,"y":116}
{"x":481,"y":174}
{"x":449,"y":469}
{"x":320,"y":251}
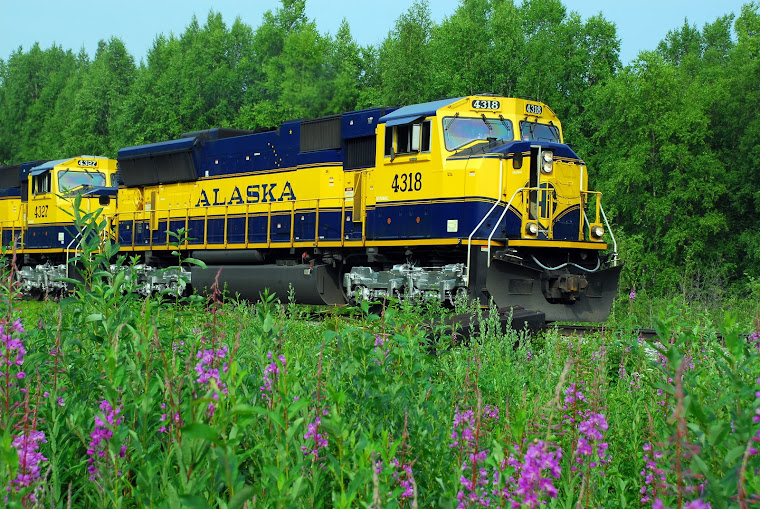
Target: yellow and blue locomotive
{"x":35,"y":219}
{"x":474,"y":196}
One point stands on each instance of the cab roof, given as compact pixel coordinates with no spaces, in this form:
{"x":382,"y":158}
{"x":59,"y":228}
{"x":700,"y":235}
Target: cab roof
{"x":412,"y":112}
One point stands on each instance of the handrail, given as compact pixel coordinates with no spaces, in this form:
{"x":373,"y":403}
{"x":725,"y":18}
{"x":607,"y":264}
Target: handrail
{"x":293,"y":207}
{"x":521,"y":189}
{"x":614,"y":242}
{"x":469,"y":239}
{"x":524,"y":189}
{"x":78,"y":235}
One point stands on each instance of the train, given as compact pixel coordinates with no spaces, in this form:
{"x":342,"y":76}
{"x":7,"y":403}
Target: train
{"x":474,"y":197}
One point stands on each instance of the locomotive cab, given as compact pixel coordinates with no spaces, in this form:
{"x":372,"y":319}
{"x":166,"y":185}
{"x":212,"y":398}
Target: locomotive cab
{"x":52,"y":186}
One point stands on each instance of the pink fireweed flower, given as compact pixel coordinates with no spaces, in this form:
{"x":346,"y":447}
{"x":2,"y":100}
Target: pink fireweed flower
{"x":590,"y":442}
{"x":12,"y":352}
{"x":29,"y":458}
{"x":694,"y":504}
{"x":532,"y":480}
{"x":175,"y":421}
{"x":382,"y":348}
{"x":756,"y":419}
{"x":316,"y":437}
{"x":271,"y":376}
{"x":209,"y":374}
{"x":105,"y":424}
{"x":574,"y":394}
{"x":404,"y":478}
{"x":590,"y":446}
{"x":653,"y":474}
{"x":573,"y":398}
{"x":754,"y":340}
{"x":465,"y":436}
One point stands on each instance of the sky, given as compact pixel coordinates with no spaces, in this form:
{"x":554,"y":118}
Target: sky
{"x":76,"y":24}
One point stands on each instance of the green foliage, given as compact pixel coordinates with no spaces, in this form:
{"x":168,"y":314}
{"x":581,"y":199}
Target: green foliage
{"x":222,"y":404}
{"x":671,"y":139}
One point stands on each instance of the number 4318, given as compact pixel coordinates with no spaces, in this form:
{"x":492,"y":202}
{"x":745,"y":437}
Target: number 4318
{"x":407,"y":182}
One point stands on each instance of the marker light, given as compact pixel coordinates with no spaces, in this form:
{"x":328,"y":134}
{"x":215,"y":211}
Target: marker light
{"x":531,"y":228}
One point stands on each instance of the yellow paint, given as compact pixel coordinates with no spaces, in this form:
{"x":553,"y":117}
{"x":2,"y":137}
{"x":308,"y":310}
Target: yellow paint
{"x":556,"y":243}
{"x":48,"y":202}
{"x":423,"y":175}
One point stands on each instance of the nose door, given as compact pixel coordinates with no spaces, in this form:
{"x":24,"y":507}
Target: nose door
{"x":542,"y":194}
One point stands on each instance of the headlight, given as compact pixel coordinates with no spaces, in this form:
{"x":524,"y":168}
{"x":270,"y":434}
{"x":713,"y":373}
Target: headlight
{"x":546,"y":168}
{"x":548,"y":156}
{"x":531,"y":228}
{"x":597,"y":231}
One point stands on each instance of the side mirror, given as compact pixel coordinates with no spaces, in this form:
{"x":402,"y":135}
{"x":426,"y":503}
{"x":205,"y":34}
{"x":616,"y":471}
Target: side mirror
{"x":517,"y":161}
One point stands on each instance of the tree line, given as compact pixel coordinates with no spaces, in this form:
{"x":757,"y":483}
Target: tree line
{"x":672,"y":139}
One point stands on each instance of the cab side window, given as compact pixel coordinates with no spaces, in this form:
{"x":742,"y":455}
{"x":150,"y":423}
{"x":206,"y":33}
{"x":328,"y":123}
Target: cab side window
{"x":407,"y":138}
{"x":41,"y":184}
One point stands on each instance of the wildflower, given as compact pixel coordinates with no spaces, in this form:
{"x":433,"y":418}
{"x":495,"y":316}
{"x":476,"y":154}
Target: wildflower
{"x":574,"y":394}
{"x":573,"y":397}
{"x":591,"y":430}
{"x":381,"y":349}
{"x":532,"y":478}
{"x":404,"y":478}
{"x":208,"y":372}
{"x":271,"y":376}
{"x":29,"y":458}
{"x":754,"y":339}
{"x":105,"y":425}
{"x":466,"y":435}
{"x":756,"y":419}
{"x":12,"y":351}
{"x":314,"y":433}
{"x":632,"y":295}
{"x":694,"y":504}
{"x":697,"y":504}
{"x":590,"y":427}
{"x":653,"y":474}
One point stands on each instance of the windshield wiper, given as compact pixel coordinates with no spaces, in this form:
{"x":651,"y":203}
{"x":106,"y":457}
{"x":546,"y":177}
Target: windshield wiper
{"x":485,"y":121}
{"x":507,"y":128}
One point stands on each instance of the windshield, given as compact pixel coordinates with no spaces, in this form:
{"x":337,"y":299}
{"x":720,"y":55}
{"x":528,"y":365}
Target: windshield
{"x":540,"y":132}
{"x":70,"y":180}
{"x":458,"y":131}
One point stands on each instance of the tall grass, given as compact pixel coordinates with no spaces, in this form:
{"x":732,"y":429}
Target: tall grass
{"x":167,"y":401}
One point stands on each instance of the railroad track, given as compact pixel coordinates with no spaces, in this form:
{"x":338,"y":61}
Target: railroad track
{"x":583,"y":330}
{"x":464,"y":325}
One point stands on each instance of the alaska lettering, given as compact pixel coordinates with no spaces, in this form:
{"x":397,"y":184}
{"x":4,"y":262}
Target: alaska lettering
{"x":255,"y":193}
